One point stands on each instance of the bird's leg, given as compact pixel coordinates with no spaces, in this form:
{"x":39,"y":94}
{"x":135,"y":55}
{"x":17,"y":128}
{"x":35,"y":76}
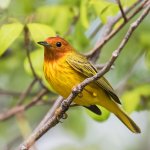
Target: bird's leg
{"x":60,"y":115}
{"x":60,"y":112}
{"x":76,"y":89}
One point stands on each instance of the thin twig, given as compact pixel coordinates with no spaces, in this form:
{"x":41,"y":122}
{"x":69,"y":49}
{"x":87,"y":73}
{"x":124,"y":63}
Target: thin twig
{"x":36,"y":99}
{"x":66,"y":103}
{"x":11,"y":112}
{"x":106,"y":30}
{"x":27,"y":45}
{"x":122,"y":11}
{"x":14,"y":93}
{"x":9,"y":93}
{"x":19,"y":108}
{"x":94,"y":53}
{"x":100,"y":66}
{"x":51,"y":112}
{"x":26,"y":92}
{"x":46,"y":119}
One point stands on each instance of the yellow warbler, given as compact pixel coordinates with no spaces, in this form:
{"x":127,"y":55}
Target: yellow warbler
{"x":65,"y":68}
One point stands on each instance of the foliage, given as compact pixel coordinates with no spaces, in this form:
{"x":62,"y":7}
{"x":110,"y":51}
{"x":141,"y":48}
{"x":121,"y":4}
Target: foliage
{"x":74,"y":21}
{"x":8,"y":34}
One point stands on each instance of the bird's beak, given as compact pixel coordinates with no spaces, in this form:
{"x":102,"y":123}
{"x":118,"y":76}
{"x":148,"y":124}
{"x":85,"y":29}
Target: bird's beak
{"x":44,"y":43}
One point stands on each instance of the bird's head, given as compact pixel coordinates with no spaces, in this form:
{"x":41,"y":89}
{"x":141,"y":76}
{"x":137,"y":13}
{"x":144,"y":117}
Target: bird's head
{"x":55,"y":47}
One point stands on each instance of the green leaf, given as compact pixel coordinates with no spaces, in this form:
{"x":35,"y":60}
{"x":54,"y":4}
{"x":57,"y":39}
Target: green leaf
{"x":104,"y":9}
{"x":131,"y":99}
{"x":58,"y":16}
{"x":37,"y":63}
{"x":40,"y":32}
{"x":8,"y":34}
{"x":105,"y":114}
{"x":84,"y":13}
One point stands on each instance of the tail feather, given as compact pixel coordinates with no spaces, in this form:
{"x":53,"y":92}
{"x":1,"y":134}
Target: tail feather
{"x":117,"y":110}
{"x":128,"y":122}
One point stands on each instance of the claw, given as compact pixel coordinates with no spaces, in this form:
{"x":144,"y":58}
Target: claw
{"x":59,"y":115}
{"x":76,"y":89}
{"x":65,"y":116}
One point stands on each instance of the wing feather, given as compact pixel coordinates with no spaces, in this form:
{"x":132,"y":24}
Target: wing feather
{"x":82,"y":65}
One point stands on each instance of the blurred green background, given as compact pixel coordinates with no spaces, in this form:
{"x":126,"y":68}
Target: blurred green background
{"x":81,"y":23}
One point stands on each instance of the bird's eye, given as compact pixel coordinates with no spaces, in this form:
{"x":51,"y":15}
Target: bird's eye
{"x":58,"y":44}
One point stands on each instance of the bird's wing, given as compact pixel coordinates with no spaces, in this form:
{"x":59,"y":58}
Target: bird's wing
{"x":82,"y":65}
{"x":94,"y":109}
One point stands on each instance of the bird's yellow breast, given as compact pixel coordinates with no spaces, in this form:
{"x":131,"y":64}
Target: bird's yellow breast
{"x":62,"y":77}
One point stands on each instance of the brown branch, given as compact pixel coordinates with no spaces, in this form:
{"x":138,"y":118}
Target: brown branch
{"x":26,"y":92}
{"x":27,"y":45}
{"x":9,"y":93}
{"x":47,"y":117}
{"x":107,"y":28}
{"x":19,"y":108}
{"x":11,"y":112}
{"x":66,"y":103}
{"x":122,"y":11}
{"x":36,"y":99}
{"x":51,"y":112}
{"x":115,"y":19}
{"x":100,"y":66}
{"x":94,"y":53}
{"x":14,"y":93}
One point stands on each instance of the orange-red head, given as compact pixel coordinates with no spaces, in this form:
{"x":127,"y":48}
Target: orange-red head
{"x":55,"y":47}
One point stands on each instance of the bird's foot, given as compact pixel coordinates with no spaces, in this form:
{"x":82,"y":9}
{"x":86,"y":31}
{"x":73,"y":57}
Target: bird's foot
{"x":60,"y":114}
{"x":77,"y":89}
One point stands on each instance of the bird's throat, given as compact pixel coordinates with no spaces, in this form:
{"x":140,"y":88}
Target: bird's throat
{"x":52,"y":56}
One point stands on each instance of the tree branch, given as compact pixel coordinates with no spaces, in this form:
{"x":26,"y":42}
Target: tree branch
{"x":19,"y":108}
{"x":27,"y":45}
{"x":94,"y":53}
{"x":66,"y":103}
{"x":11,"y":93}
{"x":46,"y":119}
{"x":51,"y":112}
{"x":26,"y":92}
{"x":122,"y":11}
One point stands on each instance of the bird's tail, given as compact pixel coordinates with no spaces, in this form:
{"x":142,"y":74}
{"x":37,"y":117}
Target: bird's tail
{"x":129,"y":123}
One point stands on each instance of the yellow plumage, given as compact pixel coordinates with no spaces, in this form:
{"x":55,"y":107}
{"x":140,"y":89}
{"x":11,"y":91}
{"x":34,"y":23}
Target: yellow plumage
{"x":63,"y":78}
{"x":64,"y":68}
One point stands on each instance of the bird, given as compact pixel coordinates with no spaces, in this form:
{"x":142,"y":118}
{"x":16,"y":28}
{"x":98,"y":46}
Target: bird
{"x":64,"y":68}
